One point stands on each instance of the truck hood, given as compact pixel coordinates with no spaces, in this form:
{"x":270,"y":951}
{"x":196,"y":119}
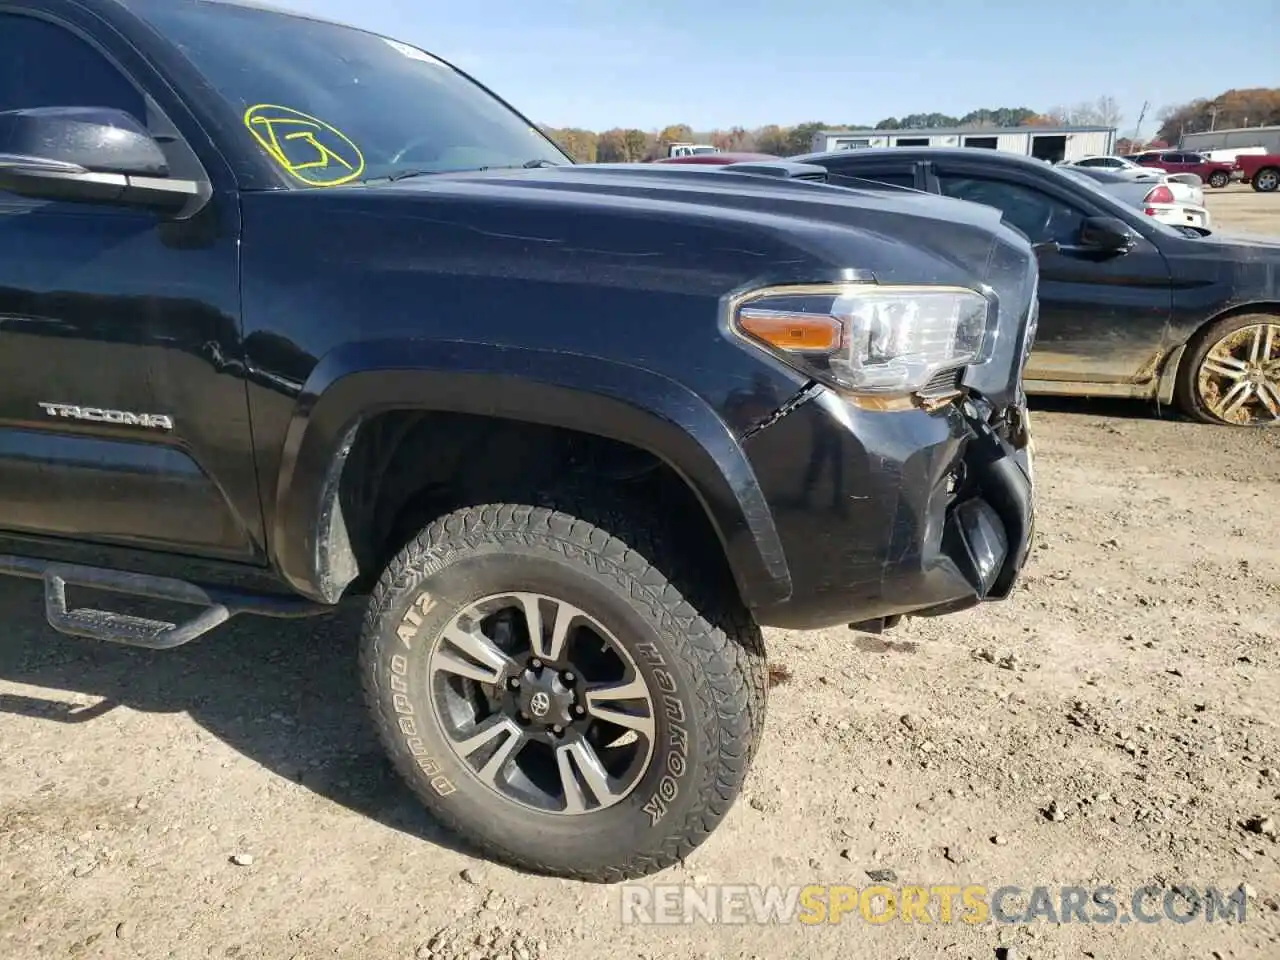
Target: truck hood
{"x":678,"y":237}
{"x":832,"y":223}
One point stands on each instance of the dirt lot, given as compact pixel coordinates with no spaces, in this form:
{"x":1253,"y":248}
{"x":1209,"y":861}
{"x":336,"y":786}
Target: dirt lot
{"x":1240,"y":207}
{"x":1114,"y":723}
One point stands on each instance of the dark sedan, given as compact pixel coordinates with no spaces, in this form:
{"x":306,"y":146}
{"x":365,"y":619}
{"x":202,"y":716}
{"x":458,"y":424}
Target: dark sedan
{"x":1129,"y":307}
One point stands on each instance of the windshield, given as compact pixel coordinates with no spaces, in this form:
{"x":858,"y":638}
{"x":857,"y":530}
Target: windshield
{"x":333,"y":104}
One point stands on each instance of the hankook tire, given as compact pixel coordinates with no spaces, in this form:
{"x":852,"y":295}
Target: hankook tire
{"x":505,"y":737}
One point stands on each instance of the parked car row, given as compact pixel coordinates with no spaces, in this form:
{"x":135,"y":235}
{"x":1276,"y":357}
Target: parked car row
{"x":1137,"y":172}
{"x":1216,"y":173}
{"x":1139,"y":297}
{"x":1260,"y":169}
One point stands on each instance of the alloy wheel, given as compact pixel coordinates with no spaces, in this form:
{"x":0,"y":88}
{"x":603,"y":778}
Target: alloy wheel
{"x":542,"y":703}
{"x":1267,"y":180}
{"x":1239,"y":378}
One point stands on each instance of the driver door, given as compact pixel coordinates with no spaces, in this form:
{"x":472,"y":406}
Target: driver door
{"x":1102,"y":318}
{"x":121,"y":420}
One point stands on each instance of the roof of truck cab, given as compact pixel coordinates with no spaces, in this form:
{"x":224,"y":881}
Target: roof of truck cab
{"x":140,"y":7}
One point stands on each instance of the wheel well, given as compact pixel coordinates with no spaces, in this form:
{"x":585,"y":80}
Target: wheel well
{"x":408,"y":467}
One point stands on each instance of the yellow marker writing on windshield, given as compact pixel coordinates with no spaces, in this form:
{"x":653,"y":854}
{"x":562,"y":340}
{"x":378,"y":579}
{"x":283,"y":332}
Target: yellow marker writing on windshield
{"x":306,"y":148}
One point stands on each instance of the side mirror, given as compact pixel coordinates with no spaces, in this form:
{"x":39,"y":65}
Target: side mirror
{"x":87,"y":154}
{"x":1097,"y":235}
{"x":1105,"y":235}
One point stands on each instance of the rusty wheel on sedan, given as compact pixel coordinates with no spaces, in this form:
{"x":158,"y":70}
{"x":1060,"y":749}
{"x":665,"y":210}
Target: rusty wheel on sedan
{"x":1231,"y":375}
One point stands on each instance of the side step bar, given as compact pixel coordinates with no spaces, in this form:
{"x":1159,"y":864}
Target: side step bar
{"x":219,"y":605}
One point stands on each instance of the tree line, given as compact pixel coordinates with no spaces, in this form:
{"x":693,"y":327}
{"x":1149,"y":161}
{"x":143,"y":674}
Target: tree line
{"x":1250,"y":107}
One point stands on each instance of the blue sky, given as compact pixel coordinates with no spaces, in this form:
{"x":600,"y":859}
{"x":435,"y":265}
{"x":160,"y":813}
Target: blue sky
{"x":719,"y":63}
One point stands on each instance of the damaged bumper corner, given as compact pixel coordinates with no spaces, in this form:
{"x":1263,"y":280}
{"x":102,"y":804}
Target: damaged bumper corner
{"x":886,"y":514}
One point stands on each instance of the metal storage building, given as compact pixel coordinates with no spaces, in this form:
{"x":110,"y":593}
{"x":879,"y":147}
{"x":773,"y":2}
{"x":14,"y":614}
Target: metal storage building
{"x":1046,"y":143}
{"x":1266,"y":137}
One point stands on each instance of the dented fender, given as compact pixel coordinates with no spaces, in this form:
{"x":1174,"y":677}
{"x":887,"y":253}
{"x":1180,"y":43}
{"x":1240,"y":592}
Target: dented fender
{"x":618,"y":401}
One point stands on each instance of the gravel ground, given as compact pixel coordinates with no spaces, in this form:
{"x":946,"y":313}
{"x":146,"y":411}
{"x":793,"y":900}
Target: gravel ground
{"x":1240,"y":207}
{"x":1112,"y":724}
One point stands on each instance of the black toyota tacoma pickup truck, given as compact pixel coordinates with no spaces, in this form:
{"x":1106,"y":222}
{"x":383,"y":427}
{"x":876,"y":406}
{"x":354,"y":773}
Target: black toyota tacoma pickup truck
{"x":293,"y":314}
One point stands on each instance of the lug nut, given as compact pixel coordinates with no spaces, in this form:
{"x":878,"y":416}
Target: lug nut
{"x":514,"y":683}
{"x":568,"y":676}
{"x":557,"y":729}
{"x":535,"y":663}
{"x":580,"y":710}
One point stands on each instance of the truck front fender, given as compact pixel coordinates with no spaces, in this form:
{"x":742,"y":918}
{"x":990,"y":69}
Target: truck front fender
{"x":309,"y":541}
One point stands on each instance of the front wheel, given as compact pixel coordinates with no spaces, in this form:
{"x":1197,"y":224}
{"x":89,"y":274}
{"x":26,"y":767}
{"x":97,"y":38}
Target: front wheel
{"x":1219,"y":179}
{"x":1231,"y":375}
{"x":551,"y":696}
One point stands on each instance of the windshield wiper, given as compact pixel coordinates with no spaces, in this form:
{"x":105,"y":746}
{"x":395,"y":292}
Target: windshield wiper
{"x":398,"y":175}
{"x":406,"y":174}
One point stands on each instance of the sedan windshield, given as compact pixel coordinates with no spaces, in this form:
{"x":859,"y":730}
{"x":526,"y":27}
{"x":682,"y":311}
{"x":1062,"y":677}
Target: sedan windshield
{"x":332,"y":104}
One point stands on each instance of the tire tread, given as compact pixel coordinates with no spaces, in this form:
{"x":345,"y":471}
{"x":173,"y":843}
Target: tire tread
{"x":721,"y":642}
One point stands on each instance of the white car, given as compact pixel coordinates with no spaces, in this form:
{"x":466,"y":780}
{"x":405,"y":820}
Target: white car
{"x":1160,"y":204}
{"x":1116,"y":165}
{"x":1186,"y":187}
{"x":1183,"y":192}
{"x":1124,"y":167}
{"x":1168,"y":201}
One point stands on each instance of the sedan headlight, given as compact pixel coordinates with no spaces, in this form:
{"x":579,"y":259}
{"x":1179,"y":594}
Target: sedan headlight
{"x":867,"y":337}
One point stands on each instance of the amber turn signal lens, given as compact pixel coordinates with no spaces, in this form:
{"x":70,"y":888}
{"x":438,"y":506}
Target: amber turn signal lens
{"x":792,"y":331}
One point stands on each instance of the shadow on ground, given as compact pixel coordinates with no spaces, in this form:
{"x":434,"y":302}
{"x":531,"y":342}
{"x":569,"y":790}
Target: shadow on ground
{"x":285,"y":694}
{"x":1105,"y":407}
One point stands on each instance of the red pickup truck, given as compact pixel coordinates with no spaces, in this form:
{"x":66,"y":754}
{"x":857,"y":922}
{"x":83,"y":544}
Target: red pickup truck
{"x":1260,"y":169}
{"x":1216,"y":173}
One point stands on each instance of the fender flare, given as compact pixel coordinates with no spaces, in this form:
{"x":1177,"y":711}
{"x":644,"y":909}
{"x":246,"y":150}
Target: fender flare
{"x":356,"y":381}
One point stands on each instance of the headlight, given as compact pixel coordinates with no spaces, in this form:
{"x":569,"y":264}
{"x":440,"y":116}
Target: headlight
{"x":867,"y":337}
{"x":1033,"y":326}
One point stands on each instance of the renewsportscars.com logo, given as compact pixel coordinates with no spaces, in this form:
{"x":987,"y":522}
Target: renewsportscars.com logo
{"x":938,"y":904}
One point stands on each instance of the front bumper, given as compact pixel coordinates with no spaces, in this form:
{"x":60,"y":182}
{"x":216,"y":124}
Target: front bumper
{"x":884,"y":514}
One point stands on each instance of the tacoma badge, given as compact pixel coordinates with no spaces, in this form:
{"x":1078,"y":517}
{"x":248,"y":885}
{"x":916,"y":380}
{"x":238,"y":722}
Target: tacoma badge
{"x":154,"y":421}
